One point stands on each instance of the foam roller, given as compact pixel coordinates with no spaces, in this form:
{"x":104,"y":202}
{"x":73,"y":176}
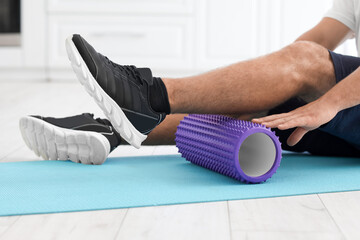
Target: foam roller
{"x":243,"y":150}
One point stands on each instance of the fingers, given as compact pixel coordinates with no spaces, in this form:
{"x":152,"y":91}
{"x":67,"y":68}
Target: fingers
{"x":274,"y":117}
{"x":270,"y":118}
{"x":296,"y":136}
{"x":279,"y":122}
{"x":296,"y":121}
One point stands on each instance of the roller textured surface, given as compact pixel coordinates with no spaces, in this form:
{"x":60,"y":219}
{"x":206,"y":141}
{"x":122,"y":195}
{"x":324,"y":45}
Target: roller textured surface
{"x":212,"y":141}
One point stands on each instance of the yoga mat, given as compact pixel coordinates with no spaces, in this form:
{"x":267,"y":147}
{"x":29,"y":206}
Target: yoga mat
{"x":64,"y":186}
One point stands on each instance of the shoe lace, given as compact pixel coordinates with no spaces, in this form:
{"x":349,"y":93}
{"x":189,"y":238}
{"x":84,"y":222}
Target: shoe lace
{"x":129,"y":70}
{"x":101,"y":121}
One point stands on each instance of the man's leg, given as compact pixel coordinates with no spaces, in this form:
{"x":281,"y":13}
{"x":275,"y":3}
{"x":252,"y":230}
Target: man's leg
{"x":136,"y":102}
{"x":301,"y":69}
{"x":249,"y":88}
{"x":164,"y":133}
{"x":316,"y":142}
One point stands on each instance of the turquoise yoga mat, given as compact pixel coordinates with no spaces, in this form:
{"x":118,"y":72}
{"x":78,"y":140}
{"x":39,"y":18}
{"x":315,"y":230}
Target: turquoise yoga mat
{"x":63,"y":186}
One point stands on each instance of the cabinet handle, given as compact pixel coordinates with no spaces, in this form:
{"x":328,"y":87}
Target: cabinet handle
{"x":118,"y":34}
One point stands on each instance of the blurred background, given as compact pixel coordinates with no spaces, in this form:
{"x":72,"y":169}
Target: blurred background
{"x":173,"y":37}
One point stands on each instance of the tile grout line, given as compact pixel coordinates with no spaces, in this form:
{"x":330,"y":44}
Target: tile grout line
{"x":331,"y":216}
{"x":8,"y":228}
{"x":282,"y":231}
{"x":121,"y":224}
{"x":229,"y":219}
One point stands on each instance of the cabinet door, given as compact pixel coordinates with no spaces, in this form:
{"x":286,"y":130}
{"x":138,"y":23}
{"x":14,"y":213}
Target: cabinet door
{"x":234,"y":30}
{"x":300,"y":16}
{"x":120,"y":6}
{"x":226,"y":31}
{"x":157,"y":42}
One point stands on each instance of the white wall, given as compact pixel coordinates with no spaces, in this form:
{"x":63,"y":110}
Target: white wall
{"x":173,"y":37}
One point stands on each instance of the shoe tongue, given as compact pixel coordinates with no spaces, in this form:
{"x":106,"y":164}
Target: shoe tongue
{"x":88,"y":115}
{"x":103,"y":121}
{"x":146,"y":74}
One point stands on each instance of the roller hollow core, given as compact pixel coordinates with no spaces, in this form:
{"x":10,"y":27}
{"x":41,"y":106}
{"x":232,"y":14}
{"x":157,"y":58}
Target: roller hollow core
{"x":243,"y":150}
{"x":257,"y":154}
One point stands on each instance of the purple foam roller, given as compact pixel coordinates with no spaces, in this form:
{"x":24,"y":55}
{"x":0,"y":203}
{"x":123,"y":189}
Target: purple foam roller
{"x":243,"y":150}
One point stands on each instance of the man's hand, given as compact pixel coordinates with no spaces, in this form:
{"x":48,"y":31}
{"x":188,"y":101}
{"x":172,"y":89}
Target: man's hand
{"x":305,"y":118}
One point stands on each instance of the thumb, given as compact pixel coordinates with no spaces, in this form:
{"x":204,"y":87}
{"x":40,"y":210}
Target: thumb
{"x":296,"y":136}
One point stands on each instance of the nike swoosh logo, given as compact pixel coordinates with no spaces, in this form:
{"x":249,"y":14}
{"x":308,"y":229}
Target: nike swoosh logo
{"x":109,"y":134}
{"x":104,"y":133}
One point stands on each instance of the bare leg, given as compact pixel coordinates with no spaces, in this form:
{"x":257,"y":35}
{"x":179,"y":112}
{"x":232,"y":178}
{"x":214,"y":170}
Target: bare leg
{"x":300,"y":69}
{"x":164,"y":133}
{"x":248,"y":89}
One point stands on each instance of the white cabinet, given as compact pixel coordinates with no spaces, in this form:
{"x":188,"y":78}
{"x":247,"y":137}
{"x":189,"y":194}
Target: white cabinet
{"x":30,"y":55}
{"x":121,"y":6}
{"x":156,"y":42}
{"x":173,"y":37}
{"x":234,"y":30}
{"x":226,"y":31}
{"x":155,"y":33}
{"x":300,"y":16}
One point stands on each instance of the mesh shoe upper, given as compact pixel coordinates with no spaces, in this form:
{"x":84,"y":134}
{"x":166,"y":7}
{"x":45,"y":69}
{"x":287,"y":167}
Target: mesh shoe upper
{"x":128,"y":86}
{"x":86,"y":122}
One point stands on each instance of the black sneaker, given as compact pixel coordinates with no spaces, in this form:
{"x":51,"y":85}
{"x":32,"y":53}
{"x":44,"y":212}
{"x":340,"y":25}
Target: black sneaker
{"x":80,"y":138}
{"x":121,"y":91}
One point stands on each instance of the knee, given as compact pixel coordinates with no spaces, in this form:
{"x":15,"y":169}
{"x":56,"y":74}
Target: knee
{"x":311,"y":61}
{"x":308,"y":53}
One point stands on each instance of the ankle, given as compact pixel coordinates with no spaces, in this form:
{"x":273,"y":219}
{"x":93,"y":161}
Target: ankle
{"x":168,"y":82}
{"x":159,"y":99}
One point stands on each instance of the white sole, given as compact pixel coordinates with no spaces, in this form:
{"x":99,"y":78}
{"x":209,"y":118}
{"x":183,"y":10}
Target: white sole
{"x":56,"y":143}
{"x":110,"y":108}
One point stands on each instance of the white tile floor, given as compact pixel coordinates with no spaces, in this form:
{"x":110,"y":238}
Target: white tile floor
{"x":317,"y":216}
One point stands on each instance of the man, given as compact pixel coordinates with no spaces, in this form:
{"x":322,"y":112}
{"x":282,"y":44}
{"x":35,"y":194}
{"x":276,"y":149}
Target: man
{"x":304,"y":86}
